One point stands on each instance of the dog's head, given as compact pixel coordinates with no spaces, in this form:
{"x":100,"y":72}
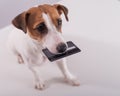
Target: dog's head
{"x":43,"y":24}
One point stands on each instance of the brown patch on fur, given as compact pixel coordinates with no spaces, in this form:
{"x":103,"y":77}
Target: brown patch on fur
{"x":20,"y":21}
{"x":34,"y":19}
{"x":30,"y":19}
{"x":52,"y":12}
{"x":62,"y":9}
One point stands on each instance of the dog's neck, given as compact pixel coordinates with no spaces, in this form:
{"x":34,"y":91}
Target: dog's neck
{"x":37,"y":46}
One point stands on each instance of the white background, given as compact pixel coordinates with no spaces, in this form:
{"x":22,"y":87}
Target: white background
{"x":10,"y":8}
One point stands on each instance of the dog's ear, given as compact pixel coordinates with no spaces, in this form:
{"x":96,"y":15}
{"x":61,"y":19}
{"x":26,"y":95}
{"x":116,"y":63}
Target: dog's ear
{"x":20,"y":21}
{"x":61,"y":9}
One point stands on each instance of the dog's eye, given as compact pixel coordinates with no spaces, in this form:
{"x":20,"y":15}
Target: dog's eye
{"x":41,"y":27}
{"x":59,"y":21}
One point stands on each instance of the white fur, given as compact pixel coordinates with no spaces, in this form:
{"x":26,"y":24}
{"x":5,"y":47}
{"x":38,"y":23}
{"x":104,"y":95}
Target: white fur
{"x":30,"y":51}
{"x":53,"y":38}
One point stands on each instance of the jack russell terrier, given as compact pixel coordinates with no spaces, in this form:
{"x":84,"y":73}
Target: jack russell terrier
{"x":35,"y":29}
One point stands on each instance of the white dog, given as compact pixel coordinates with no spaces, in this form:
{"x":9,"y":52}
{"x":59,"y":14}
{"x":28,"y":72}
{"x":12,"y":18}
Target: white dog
{"x":35,"y":29}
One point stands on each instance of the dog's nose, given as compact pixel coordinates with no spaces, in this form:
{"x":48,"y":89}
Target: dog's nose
{"x":61,"y":47}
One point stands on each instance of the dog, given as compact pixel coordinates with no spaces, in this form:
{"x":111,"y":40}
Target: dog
{"x":37,"y":28}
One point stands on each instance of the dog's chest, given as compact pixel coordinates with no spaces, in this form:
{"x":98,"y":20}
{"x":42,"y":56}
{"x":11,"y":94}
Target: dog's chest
{"x":34,"y":55}
{"x":36,"y":58}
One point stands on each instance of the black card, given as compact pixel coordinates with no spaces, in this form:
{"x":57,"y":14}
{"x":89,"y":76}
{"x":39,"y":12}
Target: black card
{"x":72,"y":49}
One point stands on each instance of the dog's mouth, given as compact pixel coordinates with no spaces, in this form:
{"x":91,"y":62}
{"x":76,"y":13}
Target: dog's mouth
{"x":59,"y":48}
{"x":68,"y":49}
{"x":72,"y":49}
{"x":56,"y":52}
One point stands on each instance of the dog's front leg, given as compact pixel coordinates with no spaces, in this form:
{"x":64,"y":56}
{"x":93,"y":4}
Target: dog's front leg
{"x":68,"y":76}
{"x":39,"y":84}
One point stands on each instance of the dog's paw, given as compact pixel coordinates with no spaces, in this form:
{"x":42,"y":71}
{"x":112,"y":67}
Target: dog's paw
{"x":20,"y":60}
{"x":73,"y":81}
{"x":40,"y":86}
